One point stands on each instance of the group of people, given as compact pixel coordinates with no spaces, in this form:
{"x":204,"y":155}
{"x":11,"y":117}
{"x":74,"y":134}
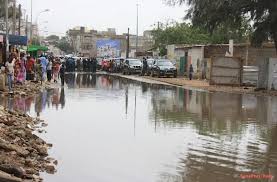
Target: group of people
{"x":89,"y":65}
{"x":21,"y":68}
{"x":112,"y":65}
{"x":84,"y":64}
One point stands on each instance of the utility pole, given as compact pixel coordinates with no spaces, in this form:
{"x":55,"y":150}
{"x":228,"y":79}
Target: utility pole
{"x":128,"y":44}
{"x":7,"y":28}
{"x":14,"y":17}
{"x":19,"y":20}
{"x":137,"y":31}
{"x":31,"y":30}
{"x":26,"y":29}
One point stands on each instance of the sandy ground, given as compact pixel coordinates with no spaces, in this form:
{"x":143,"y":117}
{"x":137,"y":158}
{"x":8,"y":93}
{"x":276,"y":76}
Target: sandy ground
{"x":200,"y":85}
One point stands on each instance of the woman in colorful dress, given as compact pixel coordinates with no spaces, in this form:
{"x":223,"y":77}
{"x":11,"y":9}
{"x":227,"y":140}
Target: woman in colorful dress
{"x":21,"y":70}
{"x":56,"y":71}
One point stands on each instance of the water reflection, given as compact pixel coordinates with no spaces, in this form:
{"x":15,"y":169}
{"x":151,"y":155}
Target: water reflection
{"x":233,"y":134}
{"x":78,"y":80}
{"x":47,"y":98}
{"x":227,"y":134}
{"x":213,"y":136}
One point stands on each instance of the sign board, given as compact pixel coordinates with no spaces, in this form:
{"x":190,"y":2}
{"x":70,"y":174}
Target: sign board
{"x":108,"y":48}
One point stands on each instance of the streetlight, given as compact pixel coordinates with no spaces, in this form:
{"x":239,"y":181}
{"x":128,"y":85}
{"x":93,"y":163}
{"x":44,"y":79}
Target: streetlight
{"x":7,"y":28}
{"x":46,"y":10}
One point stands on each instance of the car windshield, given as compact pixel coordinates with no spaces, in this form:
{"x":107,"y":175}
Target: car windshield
{"x":164,"y":63}
{"x":134,"y":62}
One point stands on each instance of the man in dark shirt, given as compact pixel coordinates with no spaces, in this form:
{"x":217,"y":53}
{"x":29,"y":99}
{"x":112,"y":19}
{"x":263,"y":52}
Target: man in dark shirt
{"x":62,"y":72}
{"x":144,"y":67}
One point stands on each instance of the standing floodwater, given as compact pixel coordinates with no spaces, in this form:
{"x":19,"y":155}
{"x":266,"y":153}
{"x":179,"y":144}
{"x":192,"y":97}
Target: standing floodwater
{"x":109,"y":129}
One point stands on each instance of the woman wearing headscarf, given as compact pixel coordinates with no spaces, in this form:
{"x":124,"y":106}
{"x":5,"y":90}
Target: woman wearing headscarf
{"x":44,"y":63}
{"x":21,"y":70}
{"x":56,"y":70}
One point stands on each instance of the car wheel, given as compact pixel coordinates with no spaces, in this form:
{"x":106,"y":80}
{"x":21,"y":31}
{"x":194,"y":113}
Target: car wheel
{"x":129,"y":72}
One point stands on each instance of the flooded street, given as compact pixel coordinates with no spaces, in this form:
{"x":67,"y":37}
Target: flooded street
{"x":110,"y":129}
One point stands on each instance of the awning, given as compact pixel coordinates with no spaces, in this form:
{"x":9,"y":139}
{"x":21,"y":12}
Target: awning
{"x":34,"y":48}
{"x":16,"y":39}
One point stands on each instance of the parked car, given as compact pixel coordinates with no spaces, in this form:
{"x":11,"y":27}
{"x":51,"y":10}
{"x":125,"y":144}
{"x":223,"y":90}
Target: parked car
{"x":163,"y":67}
{"x":150,"y":63}
{"x":132,"y":66}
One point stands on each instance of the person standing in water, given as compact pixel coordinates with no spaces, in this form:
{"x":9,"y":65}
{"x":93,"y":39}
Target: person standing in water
{"x":62,"y":73}
{"x":49,"y":70}
{"x":190,"y":72}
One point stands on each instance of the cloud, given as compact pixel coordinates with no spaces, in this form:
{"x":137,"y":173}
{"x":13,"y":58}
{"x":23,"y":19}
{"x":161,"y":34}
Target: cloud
{"x":100,"y":15}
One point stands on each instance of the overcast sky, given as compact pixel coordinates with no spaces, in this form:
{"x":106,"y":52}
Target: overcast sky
{"x":100,"y":14}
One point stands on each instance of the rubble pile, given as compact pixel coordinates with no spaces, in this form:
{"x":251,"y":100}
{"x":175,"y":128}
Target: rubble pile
{"x":23,"y":155}
{"x":29,"y":88}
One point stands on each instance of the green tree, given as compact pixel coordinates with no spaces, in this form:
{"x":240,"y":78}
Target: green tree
{"x":64,"y":45}
{"x":53,"y":38}
{"x":35,"y":41}
{"x":211,"y":14}
{"x":176,"y":33}
{"x":183,"y":33}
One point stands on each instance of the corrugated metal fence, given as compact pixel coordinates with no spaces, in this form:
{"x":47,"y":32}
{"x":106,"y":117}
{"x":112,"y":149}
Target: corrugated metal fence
{"x":250,"y":75}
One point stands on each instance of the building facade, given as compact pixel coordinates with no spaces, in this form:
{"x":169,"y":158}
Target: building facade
{"x":84,"y":41}
{"x":197,"y":55}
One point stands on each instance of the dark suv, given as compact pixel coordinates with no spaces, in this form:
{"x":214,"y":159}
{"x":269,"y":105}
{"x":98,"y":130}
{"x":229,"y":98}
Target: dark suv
{"x":132,"y":66}
{"x":163,"y":67}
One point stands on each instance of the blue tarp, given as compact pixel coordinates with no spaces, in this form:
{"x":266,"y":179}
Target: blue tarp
{"x":17,"y":40}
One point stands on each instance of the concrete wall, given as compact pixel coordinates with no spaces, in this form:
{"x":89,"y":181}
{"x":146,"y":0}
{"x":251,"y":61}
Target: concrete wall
{"x":226,"y":71}
{"x":171,"y":52}
{"x":272,"y":81}
{"x":249,"y":55}
{"x":174,"y":53}
{"x":195,"y":57}
{"x":250,"y":75}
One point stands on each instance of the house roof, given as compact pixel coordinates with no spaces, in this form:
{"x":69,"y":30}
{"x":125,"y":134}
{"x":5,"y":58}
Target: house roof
{"x":180,"y":46}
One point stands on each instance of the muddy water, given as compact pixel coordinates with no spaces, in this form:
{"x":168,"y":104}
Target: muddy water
{"x":107,"y":129}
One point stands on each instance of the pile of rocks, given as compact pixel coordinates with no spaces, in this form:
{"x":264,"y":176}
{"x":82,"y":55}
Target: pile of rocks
{"x":23,"y":155}
{"x":28,"y":88}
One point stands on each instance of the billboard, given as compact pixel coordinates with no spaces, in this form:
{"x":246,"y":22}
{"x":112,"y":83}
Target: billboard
{"x":108,"y":48}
